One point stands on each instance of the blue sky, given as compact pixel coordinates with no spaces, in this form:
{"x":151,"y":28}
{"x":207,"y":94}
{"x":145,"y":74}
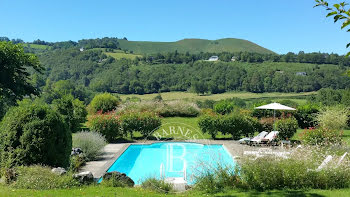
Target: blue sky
{"x":279,"y":25}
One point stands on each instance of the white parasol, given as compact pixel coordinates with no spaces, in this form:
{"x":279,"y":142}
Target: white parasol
{"x":275,"y":106}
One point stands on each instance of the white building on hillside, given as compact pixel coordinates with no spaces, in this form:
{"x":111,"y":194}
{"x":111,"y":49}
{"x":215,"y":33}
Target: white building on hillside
{"x":213,"y":58}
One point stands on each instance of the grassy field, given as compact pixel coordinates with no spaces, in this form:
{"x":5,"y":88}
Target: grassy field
{"x":37,"y":46}
{"x":120,"y":55}
{"x":192,"y":46}
{"x":108,"y":191}
{"x":275,"y":96}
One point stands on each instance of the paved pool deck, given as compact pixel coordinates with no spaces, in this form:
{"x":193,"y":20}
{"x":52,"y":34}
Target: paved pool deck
{"x":112,"y":152}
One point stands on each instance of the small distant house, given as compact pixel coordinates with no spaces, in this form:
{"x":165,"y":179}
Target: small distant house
{"x":300,"y":73}
{"x":81,"y":49}
{"x":213,"y":58}
{"x":233,"y":58}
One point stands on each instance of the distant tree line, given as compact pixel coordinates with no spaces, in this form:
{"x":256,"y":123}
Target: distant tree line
{"x":301,"y":57}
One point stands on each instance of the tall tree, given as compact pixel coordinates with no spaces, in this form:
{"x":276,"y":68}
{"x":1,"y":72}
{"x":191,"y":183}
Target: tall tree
{"x":14,"y":76}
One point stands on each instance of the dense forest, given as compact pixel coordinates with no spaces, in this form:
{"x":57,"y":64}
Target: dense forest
{"x":92,"y":70}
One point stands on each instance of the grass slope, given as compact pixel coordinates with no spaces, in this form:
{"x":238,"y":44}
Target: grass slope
{"x":193,"y":46}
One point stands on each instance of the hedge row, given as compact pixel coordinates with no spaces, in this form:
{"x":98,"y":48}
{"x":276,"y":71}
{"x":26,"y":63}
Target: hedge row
{"x":113,"y":126}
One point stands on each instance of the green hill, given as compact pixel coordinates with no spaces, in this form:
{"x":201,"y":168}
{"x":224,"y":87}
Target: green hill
{"x":193,"y":46}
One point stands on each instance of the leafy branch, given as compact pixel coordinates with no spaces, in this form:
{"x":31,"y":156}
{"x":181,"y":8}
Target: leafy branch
{"x":339,"y":12}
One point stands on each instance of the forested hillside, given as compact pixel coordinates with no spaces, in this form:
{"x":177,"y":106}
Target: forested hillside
{"x":94,"y":70}
{"x":118,"y":66}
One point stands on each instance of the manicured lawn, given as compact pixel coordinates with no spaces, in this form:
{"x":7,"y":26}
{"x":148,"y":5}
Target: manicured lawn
{"x":108,"y":191}
{"x":275,"y":96}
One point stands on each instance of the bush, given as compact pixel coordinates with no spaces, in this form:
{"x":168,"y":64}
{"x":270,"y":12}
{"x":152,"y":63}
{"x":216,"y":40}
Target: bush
{"x":76,"y":162}
{"x":267,"y":124}
{"x":117,"y":179}
{"x":234,"y":124}
{"x":297,"y":172}
{"x":164,"y":109}
{"x":224,"y":107}
{"x":144,"y":122}
{"x":333,"y":118}
{"x":206,"y":104}
{"x":157,"y":185}
{"x":106,"y":124}
{"x":213,"y":180}
{"x":286,"y":127}
{"x":91,"y":143}
{"x":321,"y":136}
{"x":41,"y":178}
{"x":73,"y":111}
{"x":104,"y":103}
{"x":35,"y":134}
{"x":208,"y":124}
{"x":306,"y":114}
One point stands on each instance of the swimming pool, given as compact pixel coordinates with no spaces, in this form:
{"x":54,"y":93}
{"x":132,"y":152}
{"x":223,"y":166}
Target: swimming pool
{"x":170,"y":159}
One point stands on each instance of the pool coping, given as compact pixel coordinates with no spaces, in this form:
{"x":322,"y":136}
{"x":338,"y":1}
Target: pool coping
{"x":110,"y":161}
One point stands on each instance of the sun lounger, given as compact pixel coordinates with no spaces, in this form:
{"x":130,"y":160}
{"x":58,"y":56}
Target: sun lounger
{"x":257,"y":139}
{"x":325,"y":162}
{"x":269,"y":138}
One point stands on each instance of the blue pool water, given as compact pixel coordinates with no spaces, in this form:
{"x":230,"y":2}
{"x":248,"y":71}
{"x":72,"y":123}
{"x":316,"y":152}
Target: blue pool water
{"x":169,"y":159}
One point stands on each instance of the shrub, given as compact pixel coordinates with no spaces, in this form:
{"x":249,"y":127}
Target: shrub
{"x":224,"y":107}
{"x":321,"y":136}
{"x":144,"y":122}
{"x":286,"y":127}
{"x":234,"y":124}
{"x":35,"y":134}
{"x":267,"y":124}
{"x":91,"y":143}
{"x":208,"y":124}
{"x":213,"y":180}
{"x":297,"y":172}
{"x":73,"y":111}
{"x":117,"y":179}
{"x":165,"y":109}
{"x":206,"y":104}
{"x":333,"y":118}
{"x":106,"y":124}
{"x":306,"y":114}
{"x":41,"y":178}
{"x":76,"y":162}
{"x":103,"y":102}
{"x":157,"y":185}
{"x":179,"y":108}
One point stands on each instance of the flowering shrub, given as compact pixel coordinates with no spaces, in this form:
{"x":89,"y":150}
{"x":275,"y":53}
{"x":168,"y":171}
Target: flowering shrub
{"x":321,"y":136}
{"x":144,"y":122}
{"x":286,"y":127}
{"x":106,"y":124}
{"x":91,"y":143}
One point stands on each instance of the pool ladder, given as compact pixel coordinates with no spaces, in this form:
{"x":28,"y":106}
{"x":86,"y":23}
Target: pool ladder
{"x":162,"y":171}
